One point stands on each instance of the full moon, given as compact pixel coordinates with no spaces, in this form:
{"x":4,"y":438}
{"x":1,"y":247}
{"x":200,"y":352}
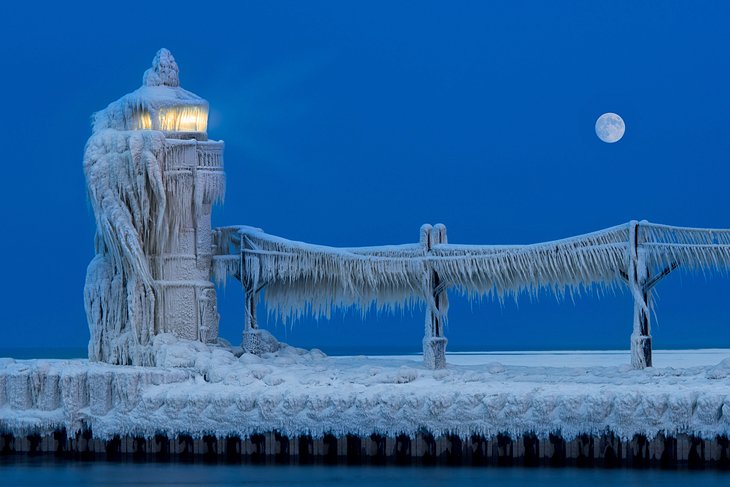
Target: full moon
{"x":610,"y":128}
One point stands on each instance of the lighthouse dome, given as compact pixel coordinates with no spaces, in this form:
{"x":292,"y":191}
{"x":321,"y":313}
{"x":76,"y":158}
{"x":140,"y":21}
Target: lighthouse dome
{"x":159,"y":104}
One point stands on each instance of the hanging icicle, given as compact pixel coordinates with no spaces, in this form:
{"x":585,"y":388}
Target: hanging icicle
{"x":301,"y":278}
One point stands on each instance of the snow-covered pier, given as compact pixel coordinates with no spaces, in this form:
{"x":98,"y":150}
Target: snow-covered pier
{"x":293,"y":405}
{"x":161,"y":382}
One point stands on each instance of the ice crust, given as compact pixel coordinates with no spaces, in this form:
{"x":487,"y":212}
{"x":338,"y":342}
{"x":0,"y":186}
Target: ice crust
{"x":200,"y":389}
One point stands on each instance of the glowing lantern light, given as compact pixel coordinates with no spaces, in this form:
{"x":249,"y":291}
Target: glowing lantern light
{"x":183,"y":119}
{"x":173,"y":119}
{"x":142,"y":121}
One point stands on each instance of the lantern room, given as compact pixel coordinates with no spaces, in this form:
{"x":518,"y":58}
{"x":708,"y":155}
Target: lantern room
{"x":160,"y":104}
{"x":180,"y":118}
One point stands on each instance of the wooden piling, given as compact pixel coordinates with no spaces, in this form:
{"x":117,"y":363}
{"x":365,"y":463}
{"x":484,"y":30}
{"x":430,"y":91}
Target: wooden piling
{"x":638,"y":275}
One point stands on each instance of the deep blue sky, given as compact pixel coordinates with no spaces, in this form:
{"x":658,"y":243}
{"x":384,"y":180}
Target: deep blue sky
{"x":352,"y":123}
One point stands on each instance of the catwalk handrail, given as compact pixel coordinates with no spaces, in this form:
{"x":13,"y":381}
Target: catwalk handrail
{"x":301,"y":278}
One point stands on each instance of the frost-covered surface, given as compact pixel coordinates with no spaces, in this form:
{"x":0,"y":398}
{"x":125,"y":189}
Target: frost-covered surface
{"x":208,"y":390}
{"x":300,"y":278}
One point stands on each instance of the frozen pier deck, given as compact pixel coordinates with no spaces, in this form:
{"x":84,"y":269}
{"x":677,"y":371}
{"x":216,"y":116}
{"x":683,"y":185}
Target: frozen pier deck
{"x":301,"y":406}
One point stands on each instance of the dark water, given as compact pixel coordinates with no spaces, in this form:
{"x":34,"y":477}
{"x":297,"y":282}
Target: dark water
{"x":27,"y":472}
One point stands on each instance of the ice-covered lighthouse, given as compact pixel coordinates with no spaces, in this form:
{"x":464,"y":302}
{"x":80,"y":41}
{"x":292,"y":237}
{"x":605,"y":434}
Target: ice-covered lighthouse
{"x":152,"y":177}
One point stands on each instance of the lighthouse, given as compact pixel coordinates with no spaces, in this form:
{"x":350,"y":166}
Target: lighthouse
{"x":153,"y":177}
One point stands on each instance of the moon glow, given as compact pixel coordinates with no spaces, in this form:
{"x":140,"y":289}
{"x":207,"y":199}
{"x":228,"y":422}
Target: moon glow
{"x":610,"y":128}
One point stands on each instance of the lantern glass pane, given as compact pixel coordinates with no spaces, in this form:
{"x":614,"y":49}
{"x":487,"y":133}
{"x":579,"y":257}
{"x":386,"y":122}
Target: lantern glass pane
{"x":142,"y":121}
{"x":183,"y":119}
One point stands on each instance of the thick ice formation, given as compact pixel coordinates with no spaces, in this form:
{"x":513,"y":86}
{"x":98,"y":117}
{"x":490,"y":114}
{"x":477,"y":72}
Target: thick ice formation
{"x":164,"y":71}
{"x":151,"y":192}
{"x":127,"y":194}
{"x":299,"y":392}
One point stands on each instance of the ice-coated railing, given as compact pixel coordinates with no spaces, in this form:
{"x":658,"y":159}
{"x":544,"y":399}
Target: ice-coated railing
{"x":302,"y":278}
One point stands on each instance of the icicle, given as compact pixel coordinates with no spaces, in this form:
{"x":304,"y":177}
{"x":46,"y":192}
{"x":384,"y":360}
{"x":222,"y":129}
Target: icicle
{"x":224,"y":266}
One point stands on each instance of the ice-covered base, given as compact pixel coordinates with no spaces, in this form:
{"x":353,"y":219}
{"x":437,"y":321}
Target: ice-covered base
{"x":204,"y":390}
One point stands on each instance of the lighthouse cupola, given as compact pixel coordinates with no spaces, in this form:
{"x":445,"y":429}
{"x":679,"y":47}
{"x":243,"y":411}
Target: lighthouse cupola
{"x":160,"y":104}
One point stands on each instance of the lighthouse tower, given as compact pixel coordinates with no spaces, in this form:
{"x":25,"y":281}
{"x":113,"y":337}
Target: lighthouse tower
{"x":153,"y":177}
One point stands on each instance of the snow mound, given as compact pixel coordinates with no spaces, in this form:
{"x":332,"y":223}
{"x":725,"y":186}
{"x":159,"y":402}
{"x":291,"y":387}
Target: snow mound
{"x":719,"y":371}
